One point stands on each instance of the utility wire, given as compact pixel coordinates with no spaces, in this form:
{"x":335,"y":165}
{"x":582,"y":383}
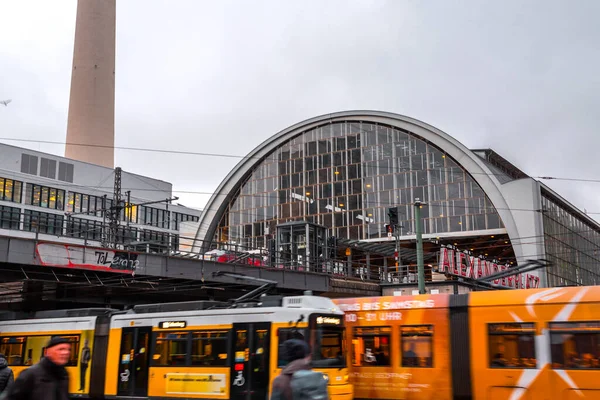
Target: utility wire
{"x":184,"y":152}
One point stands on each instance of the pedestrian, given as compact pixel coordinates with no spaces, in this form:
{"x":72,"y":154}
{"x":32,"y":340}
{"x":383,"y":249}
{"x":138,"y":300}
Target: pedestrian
{"x":48,"y":379}
{"x":297,"y":380}
{"x":6,"y":374}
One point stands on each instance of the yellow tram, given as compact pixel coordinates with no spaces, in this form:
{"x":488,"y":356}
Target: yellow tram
{"x":203,"y":350}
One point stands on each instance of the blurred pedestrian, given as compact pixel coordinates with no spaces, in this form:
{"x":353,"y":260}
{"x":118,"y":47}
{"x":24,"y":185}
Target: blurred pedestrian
{"x":48,"y":379}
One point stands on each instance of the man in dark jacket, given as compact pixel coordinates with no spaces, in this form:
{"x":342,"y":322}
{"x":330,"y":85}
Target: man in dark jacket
{"x":6,"y":374}
{"x":46,"y":380}
{"x":297,"y":354}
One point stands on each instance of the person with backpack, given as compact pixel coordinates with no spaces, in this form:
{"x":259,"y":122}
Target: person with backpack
{"x":297,"y":380}
{"x":6,"y":374}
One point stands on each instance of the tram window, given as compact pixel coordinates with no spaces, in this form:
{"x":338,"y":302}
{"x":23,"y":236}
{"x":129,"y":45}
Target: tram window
{"x":170,"y":349}
{"x":575,"y":345}
{"x":74,"y":342}
{"x":209,"y":348}
{"x":329,"y":347}
{"x":371,"y":346}
{"x":416,"y":343}
{"x":284,"y":334}
{"x":12,"y":348}
{"x":512,"y":345}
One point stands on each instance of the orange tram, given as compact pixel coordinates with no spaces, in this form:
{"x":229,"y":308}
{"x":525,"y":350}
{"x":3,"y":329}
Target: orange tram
{"x":493,"y":345}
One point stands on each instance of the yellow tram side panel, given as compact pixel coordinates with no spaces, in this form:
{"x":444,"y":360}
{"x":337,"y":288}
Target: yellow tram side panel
{"x":207,"y":382}
{"x":112,"y":361}
{"x":395,"y":381}
{"x":541,"y":307}
{"x":339,"y":386}
{"x":36,"y":341}
{"x":177,"y":381}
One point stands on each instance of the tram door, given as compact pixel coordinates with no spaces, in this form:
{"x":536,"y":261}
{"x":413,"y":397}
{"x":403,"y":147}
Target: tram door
{"x":134,"y":362}
{"x":250,"y":368}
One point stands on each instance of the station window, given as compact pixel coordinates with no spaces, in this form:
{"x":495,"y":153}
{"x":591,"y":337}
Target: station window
{"x":10,"y":190}
{"x":371,"y":346}
{"x":209,"y":348}
{"x":284,"y":334}
{"x":10,"y":217}
{"x":575,"y":345}
{"x":12,"y":348}
{"x":416,"y":343}
{"x":512,"y":345}
{"x":170,"y":349}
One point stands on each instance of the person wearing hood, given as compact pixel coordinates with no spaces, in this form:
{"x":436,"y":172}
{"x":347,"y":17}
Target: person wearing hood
{"x":297,"y":354}
{"x":48,"y":379}
{"x":6,"y":374}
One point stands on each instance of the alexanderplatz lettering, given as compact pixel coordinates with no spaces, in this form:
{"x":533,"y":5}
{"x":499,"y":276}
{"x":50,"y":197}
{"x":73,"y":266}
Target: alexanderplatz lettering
{"x":460,"y":264}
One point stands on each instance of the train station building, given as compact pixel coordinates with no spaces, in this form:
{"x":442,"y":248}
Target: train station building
{"x":63,"y":200}
{"x":343,"y":172}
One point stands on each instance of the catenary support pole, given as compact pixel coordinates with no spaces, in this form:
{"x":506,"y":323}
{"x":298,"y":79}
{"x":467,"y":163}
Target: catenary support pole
{"x":420,"y":262}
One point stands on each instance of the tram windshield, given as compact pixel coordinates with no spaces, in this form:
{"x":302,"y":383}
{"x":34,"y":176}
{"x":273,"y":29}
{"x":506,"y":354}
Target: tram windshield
{"x":328,"y":342}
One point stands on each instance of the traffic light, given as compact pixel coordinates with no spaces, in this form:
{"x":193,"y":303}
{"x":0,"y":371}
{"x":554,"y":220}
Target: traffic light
{"x":332,"y":244}
{"x":389,"y":228}
{"x":393,"y":214}
{"x":272,"y":250}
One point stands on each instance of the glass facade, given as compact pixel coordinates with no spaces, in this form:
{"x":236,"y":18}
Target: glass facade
{"x":572,"y":246}
{"x":345,"y":176}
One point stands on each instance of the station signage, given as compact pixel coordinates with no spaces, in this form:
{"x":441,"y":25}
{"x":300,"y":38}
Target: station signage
{"x":172,"y":324}
{"x":460,"y":264}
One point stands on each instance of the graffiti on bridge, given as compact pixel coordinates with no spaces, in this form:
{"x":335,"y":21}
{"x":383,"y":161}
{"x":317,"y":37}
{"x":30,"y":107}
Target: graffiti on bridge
{"x":80,"y":257}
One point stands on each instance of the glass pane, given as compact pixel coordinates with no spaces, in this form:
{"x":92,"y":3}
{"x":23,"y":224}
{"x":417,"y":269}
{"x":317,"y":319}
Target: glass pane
{"x":512,"y":345}
{"x":417,"y":346}
{"x":371,"y":346}
{"x":209,"y":348}
{"x":170,"y":348}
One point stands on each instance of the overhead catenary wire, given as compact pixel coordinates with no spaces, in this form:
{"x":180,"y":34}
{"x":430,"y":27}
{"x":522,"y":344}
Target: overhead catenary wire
{"x":224,"y":155}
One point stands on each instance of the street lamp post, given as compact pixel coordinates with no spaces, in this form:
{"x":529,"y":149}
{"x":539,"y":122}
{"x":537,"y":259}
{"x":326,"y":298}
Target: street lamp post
{"x":420,"y":262}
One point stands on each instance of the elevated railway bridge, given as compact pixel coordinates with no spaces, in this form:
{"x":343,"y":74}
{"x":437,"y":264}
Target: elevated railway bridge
{"x":41,"y":274}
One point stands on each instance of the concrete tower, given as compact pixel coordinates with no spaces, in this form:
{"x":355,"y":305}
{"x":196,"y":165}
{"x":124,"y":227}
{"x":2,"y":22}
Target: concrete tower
{"x":92,"y":103}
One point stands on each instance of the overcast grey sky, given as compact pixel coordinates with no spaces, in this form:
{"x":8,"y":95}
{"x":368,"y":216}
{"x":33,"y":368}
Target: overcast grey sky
{"x":520,"y":77}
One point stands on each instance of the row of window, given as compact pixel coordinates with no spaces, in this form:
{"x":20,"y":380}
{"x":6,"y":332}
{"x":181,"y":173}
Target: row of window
{"x":203,"y":348}
{"x":10,"y":190}
{"x":574,"y":345}
{"x":37,"y":221}
{"x":28,"y":350}
{"x":211,"y":347}
{"x":54,"y":198}
{"x":10,"y":217}
{"x":87,"y":203}
{"x":44,"y":196}
{"x":371,"y":346}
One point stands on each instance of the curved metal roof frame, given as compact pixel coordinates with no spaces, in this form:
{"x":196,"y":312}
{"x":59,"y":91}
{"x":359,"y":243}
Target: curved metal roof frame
{"x":462,"y":155}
